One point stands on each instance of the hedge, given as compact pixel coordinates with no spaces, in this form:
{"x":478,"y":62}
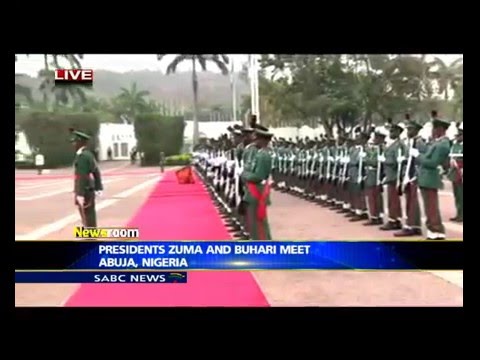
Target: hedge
{"x":50,"y":133}
{"x":174,"y":160}
{"x":158,"y":133}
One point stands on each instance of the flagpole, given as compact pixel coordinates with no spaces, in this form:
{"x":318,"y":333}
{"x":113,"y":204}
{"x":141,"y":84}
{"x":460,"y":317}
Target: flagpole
{"x":252,"y":88}
{"x":234,"y":92}
{"x":256,"y":89}
{"x":254,"y":92}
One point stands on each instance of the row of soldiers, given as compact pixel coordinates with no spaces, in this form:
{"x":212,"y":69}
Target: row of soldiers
{"x":346,"y":174}
{"x":237,"y":169}
{"x":349,"y":175}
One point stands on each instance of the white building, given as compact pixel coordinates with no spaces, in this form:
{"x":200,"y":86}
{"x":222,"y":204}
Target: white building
{"x":21,"y":144}
{"x":214,"y":129}
{"x":120,"y":138}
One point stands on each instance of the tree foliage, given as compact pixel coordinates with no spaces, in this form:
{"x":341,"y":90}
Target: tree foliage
{"x":220,"y":60}
{"x":347,"y":90}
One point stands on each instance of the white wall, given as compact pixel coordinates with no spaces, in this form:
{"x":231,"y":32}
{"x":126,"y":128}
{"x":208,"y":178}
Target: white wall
{"x":111,"y":134}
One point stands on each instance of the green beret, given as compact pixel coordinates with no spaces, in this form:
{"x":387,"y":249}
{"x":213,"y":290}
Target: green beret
{"x":78,"y":135}
{"x":439,"y":123}
{"x":262,"y":131}
{"x":396,"y":127}
{"x":414,"y":124}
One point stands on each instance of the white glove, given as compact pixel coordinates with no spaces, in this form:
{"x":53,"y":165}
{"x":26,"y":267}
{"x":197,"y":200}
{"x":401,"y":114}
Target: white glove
{"x":330,"y":158}
{"x":80,"y":200}
{"x":381,"y":158}
{"x":99,"y":193}
{"x":414,"y":152}
{"x":363,"y":155}
{"x":400,"y":159}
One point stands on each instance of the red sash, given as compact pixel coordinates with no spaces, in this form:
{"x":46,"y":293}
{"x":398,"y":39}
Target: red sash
{"x":90,"y":176}
{"x":459,"y":172}
{"x":261,"y":198}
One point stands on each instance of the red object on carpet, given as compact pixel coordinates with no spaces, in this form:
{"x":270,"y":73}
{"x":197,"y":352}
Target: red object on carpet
{"x":175,"y":212}
{"x":185,"y":175}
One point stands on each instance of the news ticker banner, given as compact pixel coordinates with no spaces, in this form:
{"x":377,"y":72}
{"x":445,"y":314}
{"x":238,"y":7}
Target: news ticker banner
{"x":238,"y":255}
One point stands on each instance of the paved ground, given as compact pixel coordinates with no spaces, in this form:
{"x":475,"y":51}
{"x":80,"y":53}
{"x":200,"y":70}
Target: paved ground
{"x":44,"y":210}
{"x":294,"y":218}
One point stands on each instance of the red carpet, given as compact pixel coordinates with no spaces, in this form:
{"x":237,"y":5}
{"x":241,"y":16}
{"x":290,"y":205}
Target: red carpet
{"x":178,"y":212}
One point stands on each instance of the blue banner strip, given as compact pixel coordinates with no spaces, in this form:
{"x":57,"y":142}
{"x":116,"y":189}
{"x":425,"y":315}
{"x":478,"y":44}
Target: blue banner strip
{"x":238,"y":255}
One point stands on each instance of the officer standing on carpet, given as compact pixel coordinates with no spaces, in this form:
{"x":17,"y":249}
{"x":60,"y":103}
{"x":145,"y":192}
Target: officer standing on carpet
{"x":430,"y":171}
{"x":257,"y":190}
{"x":455,"y":173}
{"x":87,"y":181}
{"x":413,"y":226}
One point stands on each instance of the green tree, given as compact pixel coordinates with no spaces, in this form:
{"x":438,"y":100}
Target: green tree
{"x":220,"y":60}
{"x":447,"y":75}
{"x":132,"y":101}
{"x":73,"y":95}
{"x":22,"y":91}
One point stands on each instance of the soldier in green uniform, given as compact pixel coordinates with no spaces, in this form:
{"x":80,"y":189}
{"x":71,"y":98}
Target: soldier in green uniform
{"x":392,"y":160}
{"x":88,"y":181}
{"x":430,"y":178}
{"x":409,"y":187}
{"x":356,"y":175}
{"x":247,"y":154}
{"x":320,"y":173}
{"x":162,"y":161}
{"x":455,"y":173}
{"x":347,"y":205}
{"x":330,"y":172}
{"x":373,"y":180}
{"x":257,"y":194}
{"x":343,"y":160}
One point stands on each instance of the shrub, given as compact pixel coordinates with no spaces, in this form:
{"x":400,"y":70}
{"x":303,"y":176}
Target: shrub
{"x":157,"y":133}
{"x":183,"y":159}
{"x":49,"y":132}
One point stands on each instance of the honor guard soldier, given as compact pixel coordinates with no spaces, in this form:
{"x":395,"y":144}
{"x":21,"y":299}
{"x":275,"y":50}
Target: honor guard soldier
{"x":356,"y":175}
{"x":392,"y":160}
{"x":257,"y":191}
{"x":430,"y":175}
{"x":374,"y":178}
{"x":409,"y":186}
{"x":455,"y":173}
{"x":88,"y":182}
